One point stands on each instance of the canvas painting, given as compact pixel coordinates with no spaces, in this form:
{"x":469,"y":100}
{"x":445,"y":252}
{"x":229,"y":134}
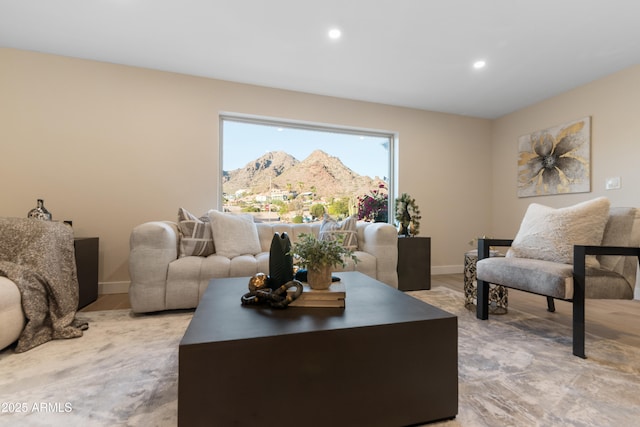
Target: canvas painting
{"x":555,"y":160}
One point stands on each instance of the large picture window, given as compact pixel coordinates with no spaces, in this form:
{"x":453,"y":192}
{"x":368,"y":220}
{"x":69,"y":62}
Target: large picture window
{"x":293,"y":172}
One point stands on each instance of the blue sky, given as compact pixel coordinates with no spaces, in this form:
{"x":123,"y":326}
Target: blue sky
{"x":244,"y":142}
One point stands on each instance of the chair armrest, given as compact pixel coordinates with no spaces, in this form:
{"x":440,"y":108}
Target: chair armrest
{"x":580,"y":253}
{"x":378,"y":237}
{"x":484,"y":245}
{"x":381,"y":241}
{"x":153,"y":245}
{"x":156,"y":235}
{"x":606,"y":250}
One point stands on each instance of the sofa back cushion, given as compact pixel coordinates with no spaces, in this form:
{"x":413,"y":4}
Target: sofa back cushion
{"x":266,"y":231}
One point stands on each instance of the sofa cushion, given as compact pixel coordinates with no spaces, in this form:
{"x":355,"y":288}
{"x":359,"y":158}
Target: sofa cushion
{"x":549,"y":234}
{"x":195,"y":234}
{"x":330,"y":230}
{"x":551,"y":278}
{"x":532,"y":275}
{"x":234,"y":235}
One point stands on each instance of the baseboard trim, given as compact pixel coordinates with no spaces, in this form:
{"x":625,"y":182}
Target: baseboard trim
{"x":105,"y":288}
{"x":447,"y":269}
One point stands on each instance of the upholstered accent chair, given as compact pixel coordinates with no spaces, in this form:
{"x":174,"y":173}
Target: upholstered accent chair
{"x":585,"y":251}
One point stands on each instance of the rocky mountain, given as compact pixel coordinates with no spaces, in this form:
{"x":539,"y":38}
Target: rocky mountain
{"x":320,"y":173}
{"x":256,"y":175}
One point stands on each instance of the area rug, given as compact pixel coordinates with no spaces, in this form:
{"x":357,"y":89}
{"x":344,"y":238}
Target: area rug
{"x":122,"y":372}
{"x":514,"y":370}
{"x":519,"y":370}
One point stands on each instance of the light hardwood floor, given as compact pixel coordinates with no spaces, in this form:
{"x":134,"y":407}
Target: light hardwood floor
{"x":109,"y":302}
{"x":614,"y":319}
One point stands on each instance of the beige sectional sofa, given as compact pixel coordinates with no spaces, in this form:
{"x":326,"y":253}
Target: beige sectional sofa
{"x":11,"y":315}
{"x":162,"y":279}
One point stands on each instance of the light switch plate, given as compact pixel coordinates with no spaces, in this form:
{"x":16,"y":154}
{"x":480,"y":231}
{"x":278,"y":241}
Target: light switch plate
{"x":612,"y":183}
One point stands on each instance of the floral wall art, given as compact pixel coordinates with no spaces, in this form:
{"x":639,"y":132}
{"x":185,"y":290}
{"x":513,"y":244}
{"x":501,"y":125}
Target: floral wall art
{"x":555,"y":160}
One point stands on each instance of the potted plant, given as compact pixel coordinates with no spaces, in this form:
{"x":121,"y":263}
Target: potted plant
{"x":319,"y":257}
{"x":407,"y":215}
{"x":373,"y":207}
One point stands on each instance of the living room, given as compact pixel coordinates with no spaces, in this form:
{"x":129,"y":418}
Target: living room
{"x":110,"y":146}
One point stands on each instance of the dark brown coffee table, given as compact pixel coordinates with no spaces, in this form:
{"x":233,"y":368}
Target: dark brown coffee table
{"x":387,"y":359}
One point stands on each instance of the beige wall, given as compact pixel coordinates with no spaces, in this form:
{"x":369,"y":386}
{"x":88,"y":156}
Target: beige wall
{"x":111,"y":146}
{"x":613,"y":104}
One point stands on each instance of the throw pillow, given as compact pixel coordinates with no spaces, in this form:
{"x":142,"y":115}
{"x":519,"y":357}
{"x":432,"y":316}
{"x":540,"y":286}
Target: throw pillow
{"x":549,"y":234}
{"x":234,"y":235}
{"x":195,"y":235}
{"x":330,"y":229}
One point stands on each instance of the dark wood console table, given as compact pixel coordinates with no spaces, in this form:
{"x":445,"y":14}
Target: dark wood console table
{"x":414,"y":263}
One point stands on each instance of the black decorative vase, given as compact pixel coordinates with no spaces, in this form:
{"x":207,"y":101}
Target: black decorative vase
{"x":280,"y":261}
{"x":40,"y":212}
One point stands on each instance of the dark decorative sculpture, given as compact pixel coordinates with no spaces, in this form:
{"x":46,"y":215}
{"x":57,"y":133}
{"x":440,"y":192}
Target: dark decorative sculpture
{"x":260,"y":293}
{"x":272,"y":289}
{"x":280,"y":261}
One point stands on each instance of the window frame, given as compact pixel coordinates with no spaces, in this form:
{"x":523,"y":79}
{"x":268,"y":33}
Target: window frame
{"x":391,"y":136}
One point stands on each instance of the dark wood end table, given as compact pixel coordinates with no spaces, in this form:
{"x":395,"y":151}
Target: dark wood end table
{"x":86,"y":252}
{"x":414,"y":263}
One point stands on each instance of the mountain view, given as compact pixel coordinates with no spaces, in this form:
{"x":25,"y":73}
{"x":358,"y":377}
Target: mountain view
{"x":295,"y":185}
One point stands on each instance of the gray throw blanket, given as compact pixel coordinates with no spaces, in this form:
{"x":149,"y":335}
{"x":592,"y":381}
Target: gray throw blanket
{"x":38,"y":256}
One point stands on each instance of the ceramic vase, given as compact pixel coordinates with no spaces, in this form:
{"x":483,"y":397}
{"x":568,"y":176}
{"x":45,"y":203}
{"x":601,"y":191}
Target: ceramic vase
{"x":319,"y":278}
{"x":40,"y":212}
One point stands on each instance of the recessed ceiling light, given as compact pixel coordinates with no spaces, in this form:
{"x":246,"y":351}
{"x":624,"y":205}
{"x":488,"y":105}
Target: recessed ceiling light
{"x":479,"y":64}
{"x":335,"y":33}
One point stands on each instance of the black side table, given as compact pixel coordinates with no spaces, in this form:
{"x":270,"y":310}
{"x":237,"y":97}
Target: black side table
{"x":86,"y":250}
{"x":414,"y":263}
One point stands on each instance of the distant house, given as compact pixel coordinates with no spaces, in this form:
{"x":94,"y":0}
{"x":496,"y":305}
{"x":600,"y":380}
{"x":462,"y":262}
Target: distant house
{"x":279,"y":195}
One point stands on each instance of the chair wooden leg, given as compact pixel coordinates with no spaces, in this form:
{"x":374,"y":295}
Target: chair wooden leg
{"x":551,"y":306}
{"x":482,"y":309}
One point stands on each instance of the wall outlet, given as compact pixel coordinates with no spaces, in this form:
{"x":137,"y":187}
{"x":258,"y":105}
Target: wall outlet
{"x":612,"y":183}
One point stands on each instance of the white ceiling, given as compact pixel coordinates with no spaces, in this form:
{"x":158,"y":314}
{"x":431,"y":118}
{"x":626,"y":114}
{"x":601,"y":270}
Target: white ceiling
{"x":412,"y":53}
